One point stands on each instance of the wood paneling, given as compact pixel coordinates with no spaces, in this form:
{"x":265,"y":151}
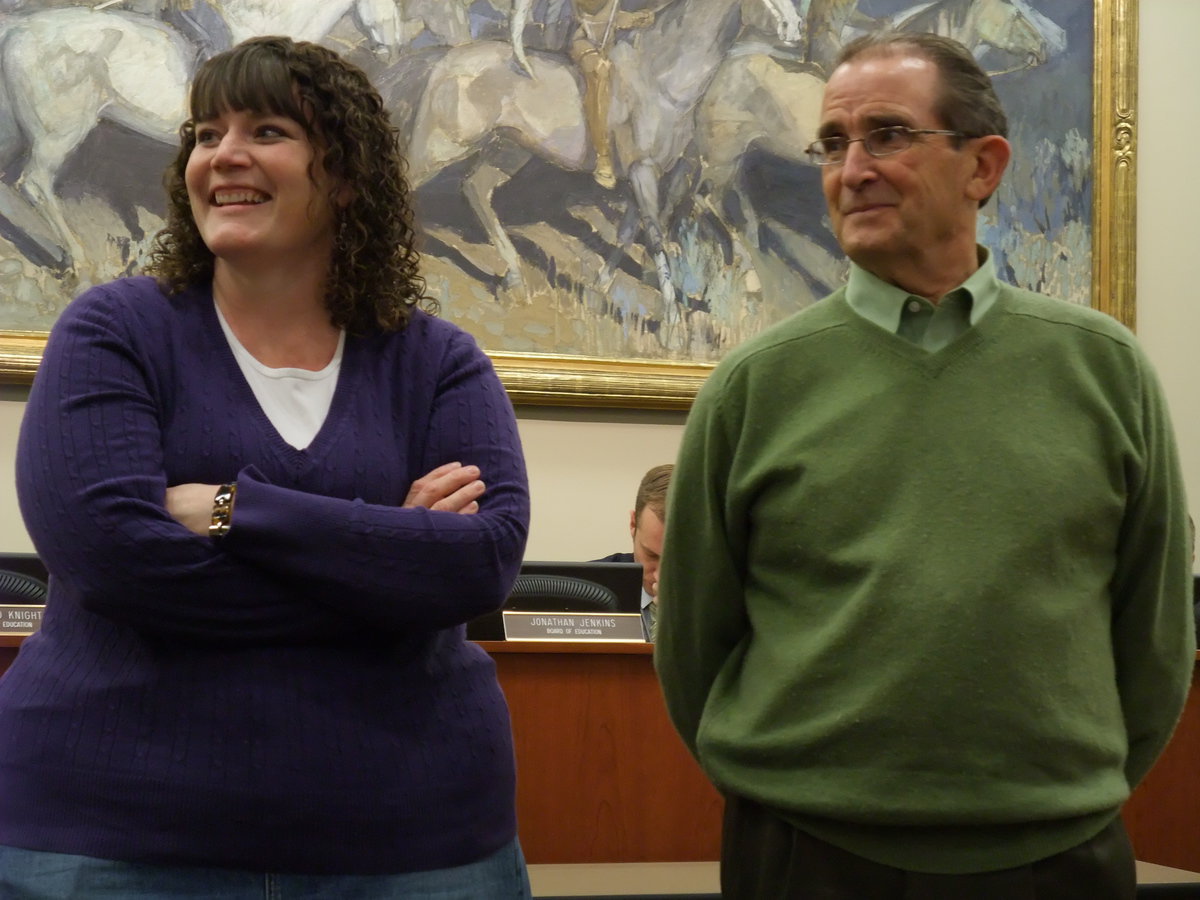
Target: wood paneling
{"x":9,"y":644}
{"x":601,"y":774}
{"x":1163,"y":815}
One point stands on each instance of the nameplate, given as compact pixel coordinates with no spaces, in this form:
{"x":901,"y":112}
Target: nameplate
{"x":19,"y":618}
{"x":590,"y":626}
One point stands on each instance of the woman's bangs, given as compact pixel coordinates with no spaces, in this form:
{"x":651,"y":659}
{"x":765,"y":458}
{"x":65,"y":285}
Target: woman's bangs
{"x":237,"y":82}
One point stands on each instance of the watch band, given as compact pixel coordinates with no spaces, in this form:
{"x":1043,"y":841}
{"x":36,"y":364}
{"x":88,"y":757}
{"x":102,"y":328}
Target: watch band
{"x":222,"y":514}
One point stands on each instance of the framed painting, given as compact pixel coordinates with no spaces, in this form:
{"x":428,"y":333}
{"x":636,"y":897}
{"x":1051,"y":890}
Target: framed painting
{"x":610,"y":193}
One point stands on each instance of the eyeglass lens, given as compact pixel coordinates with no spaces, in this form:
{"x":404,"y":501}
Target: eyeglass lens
{"x":878,"y":142}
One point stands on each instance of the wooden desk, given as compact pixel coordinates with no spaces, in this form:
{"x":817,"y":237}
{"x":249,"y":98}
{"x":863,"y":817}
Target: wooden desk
{"x":601,"y":774}
{"x":617,"y":712}
{"x":1163,"y":815}
{"x":9,"y":644}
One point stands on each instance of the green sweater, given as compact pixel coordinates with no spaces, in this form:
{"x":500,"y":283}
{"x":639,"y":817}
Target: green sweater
{"x":934,"y":608}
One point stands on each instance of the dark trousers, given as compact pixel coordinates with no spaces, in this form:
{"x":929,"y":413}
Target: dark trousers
{"x":765,"y":858}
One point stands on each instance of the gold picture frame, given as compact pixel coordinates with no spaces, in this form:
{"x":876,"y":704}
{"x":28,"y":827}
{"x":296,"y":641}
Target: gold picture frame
{"x":553,"y":379}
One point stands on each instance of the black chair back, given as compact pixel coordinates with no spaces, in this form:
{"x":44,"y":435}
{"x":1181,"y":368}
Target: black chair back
{"x":19,"y":588}
{"x":560,"y":593}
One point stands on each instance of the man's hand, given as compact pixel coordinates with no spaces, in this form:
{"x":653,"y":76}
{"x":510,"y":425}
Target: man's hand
{"x":452,"y":487}
{"x":192,"y":505}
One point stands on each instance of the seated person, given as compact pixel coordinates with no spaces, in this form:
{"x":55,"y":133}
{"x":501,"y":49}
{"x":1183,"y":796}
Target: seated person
{"x":646,"y":529}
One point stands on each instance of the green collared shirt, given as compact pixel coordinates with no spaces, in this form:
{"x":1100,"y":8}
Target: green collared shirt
{"x":929,"y":326}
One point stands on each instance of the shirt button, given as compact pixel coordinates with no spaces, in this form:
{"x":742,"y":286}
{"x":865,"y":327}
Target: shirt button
{"x":914,"y":306}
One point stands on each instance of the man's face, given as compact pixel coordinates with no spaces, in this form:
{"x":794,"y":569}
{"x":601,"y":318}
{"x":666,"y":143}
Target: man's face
{"x":889,"y":211}
{"x":647,"y":546}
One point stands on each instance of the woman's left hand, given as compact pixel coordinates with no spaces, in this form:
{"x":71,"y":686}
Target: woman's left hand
{"x":451,"y":487}
{"x":192,"y":505}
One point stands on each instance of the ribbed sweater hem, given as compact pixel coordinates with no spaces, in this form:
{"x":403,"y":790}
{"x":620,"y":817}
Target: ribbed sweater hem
{"x":326,"y":832}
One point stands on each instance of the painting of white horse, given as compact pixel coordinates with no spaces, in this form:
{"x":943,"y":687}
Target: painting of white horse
{"x":709,"y":228}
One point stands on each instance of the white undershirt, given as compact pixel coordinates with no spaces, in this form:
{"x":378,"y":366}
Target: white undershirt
{"x":296,"y":401}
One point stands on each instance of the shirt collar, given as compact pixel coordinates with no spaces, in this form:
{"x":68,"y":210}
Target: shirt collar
{"x":882,"y":304}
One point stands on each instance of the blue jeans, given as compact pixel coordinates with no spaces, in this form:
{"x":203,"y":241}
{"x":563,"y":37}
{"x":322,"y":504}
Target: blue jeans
{"x":37,"y":875}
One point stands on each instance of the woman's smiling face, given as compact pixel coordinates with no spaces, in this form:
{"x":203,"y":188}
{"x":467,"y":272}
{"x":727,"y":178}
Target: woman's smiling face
{"x":258,"y":191}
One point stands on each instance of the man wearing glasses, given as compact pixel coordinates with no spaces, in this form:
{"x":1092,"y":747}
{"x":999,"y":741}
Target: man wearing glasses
{"x":925,"y":602}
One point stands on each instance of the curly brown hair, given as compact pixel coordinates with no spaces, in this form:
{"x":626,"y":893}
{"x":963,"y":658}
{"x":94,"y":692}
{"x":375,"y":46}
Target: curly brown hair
{"x":374,"y":280}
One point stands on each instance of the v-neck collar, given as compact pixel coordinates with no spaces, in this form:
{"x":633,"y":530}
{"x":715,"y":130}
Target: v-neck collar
{"x":326,"y":435}
{"x":932,"y":362}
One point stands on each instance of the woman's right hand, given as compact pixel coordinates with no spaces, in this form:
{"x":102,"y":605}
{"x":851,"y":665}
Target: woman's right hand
{"x":451,"y":487}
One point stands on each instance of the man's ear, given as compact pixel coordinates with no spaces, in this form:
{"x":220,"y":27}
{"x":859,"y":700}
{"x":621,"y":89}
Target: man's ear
{"x":992,"y":153}
{"x":632,"y":523}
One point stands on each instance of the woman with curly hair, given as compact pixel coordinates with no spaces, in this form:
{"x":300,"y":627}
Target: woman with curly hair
{"x":270,"y":488}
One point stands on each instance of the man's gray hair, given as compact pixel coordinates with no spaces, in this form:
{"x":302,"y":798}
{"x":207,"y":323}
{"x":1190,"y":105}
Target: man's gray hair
{"x":968,"y":102}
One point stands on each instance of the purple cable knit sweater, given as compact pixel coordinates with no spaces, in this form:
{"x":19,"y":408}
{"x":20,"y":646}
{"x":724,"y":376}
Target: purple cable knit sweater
{"x":300,"y":696}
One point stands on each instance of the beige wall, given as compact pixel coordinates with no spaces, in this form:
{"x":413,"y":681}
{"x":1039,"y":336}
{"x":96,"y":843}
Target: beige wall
{"x":12,"y":534}
{"x":1168,"y":206}
{"x":584,"y":469}
{"x":584,"y":464}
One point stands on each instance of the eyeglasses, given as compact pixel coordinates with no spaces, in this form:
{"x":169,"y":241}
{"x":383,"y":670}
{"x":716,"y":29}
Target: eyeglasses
{"x":879,"y":142}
